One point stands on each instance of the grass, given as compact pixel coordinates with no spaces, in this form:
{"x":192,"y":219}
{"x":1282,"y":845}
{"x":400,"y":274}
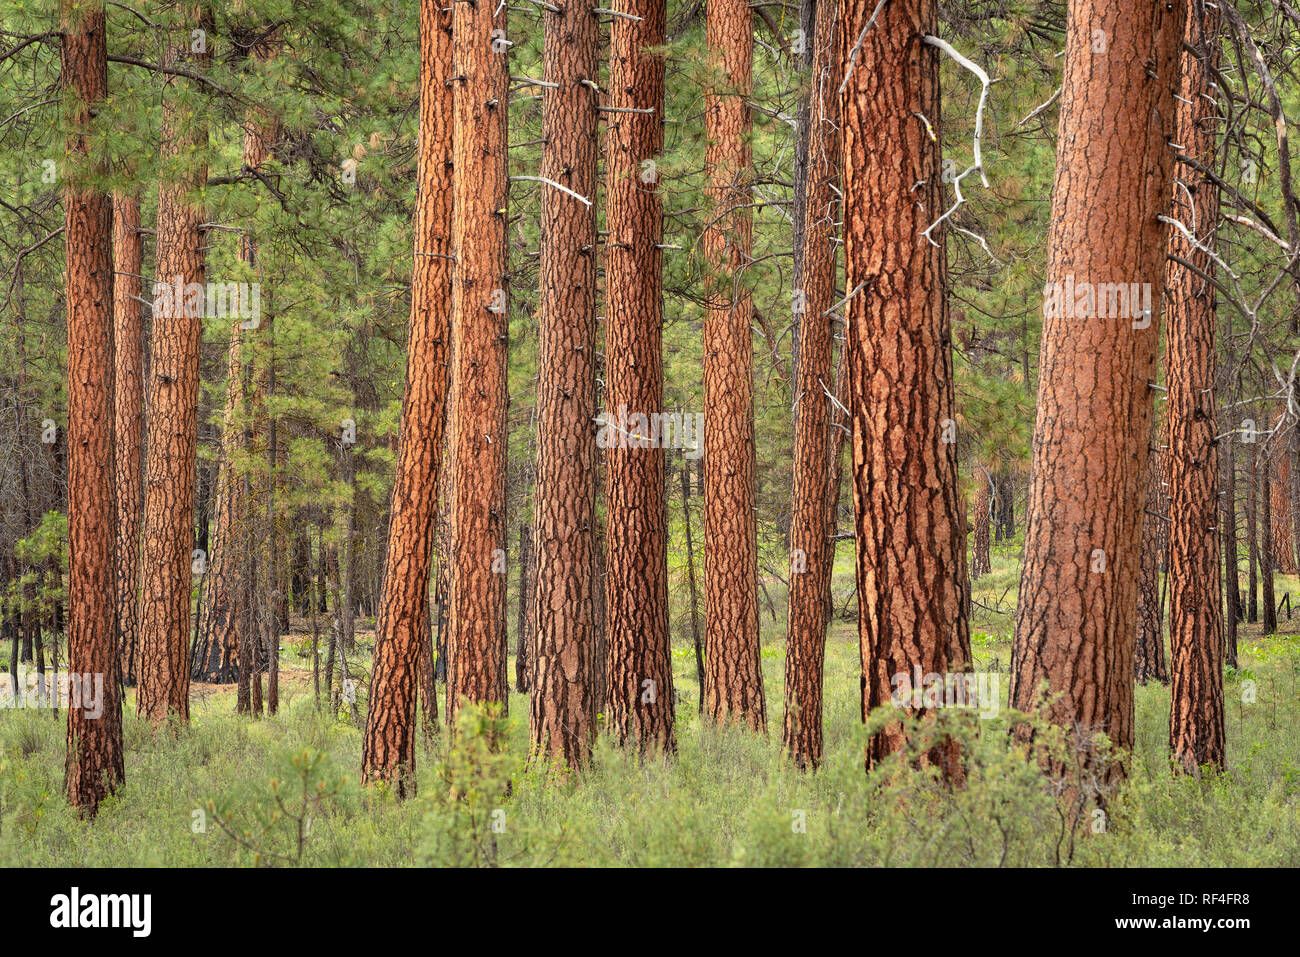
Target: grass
{"x":283,"y":790}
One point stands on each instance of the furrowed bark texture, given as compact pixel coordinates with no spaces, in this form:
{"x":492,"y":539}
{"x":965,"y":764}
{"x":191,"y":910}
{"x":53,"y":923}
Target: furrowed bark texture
{"x":733,"y":676}
{"x":910,"y":522}
{"x":564,"y":537}
{"x":388,"y":747}
{"x":476,"y":667}
{"x":636,"y":534}
{"x":1076,"y":619}
{"x":812,"y":551}
{"x":94,"y":764}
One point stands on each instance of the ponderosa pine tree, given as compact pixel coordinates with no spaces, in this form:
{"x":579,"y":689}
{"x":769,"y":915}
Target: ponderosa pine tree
{"x":639,"y":706}
{"x":388,"y":748}
{"x":128,"y":418}
{"x":94,"y":766}
{"x":812,"y":551}
{"x":981,"y":562}
{"x":1077,"y":615}
{"x":561,"y":718}
{"x":476,"y":666}
{"x":1196,"y":723}
{"x":171,"y":427}
{"x":910,"y":522}
{"x":733,"y":675}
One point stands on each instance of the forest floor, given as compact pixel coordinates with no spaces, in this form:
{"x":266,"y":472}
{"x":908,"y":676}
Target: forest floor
{"x":229,"y":789}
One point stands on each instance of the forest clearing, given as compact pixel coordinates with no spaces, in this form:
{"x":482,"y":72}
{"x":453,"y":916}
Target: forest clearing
{"x":682,"y":433}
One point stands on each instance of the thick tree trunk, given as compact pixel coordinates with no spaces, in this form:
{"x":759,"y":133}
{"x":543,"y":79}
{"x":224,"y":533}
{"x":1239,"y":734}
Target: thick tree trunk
{"x":402,"y":628}
{"x":1196,"y":726}
{"x":94,"y":765}
{"x":480,"y":324}
{"x":561,"y":717}
{"x":166,"y":560}
{"x":636,"y":534}
{"x":909,"y":521}
{"x":1077,"y":617}
{"x":128,"y":418}
{"x":733,"y":674}
{"x":811,"y":549}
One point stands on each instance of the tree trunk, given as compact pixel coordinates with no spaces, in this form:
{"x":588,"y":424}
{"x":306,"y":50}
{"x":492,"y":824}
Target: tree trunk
{"x":909,"y":520}
{"x":480,"y":325}
{"x":166,"y":559}
{"x":1267,"y":562}
{"x":1149,"y":655}
{"x":128,"y":417}
{"x":694,"y":609}
{"x":733,"y":674}
{"x":1252,"y":538}
{"x":1077,"y":617}
{"x":523,"y":639}
{"x":560,"y":711}
{"x":94,"y":765}
{"x":1283,"y":540}
{"x":636,"y":533}
{"x":402,"y":629}
{"x":981,"y":561}
{"x":1196,"y":726}
{"x":812,"y":551}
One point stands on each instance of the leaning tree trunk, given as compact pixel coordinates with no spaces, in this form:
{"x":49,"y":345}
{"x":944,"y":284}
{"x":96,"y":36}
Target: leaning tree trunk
{"x":402,"y":626}
{"x":1077,"y":616}
{"x":812,"y":551}
{"x":480,"y":323}
{"x":636,"y":533}
{"x":909,"y":520}
{"x":128,"y":418}
{"x":1196,"y":727}
{"x":733,"y":674}
{"x":94,"y":764}
{"x":561,"y":716}
{"x":166,"y":560}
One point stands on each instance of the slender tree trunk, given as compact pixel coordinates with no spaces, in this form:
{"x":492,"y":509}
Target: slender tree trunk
{"x":1149,"y":655}
{"x":910,"y":524}
{"x":636,"y":533}
{"x":128,"y":429}
{"x":733,"y":674}
{"x":811,"y":550}
{"x":1252,"y":539}
{"x":1076,"y":621}
{"x":523,"y":639}
{"x":402,"y":629}
{"x":480,"y":324}
{"x":694,"y":610}
{"x":982,"y":562}
{"x":1283,"y":540}
{"x":1196,"y":724}
{"x":1267,"y":562}
{"x":561,"y":717}
{"x":94,"y":765}
{"x":164,"y":671}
